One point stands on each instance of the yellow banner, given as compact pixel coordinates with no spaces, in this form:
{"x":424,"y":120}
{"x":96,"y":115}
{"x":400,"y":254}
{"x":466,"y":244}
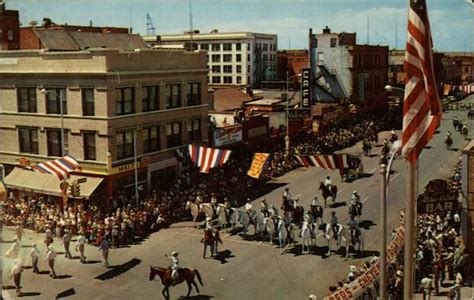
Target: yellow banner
{"x":258,"y":162}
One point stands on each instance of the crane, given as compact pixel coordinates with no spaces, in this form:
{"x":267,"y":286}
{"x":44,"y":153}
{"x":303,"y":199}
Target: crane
{"x":150,"y":29}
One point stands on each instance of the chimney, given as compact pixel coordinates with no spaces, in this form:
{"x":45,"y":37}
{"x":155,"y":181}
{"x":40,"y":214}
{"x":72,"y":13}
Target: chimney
{"x":90,"y":23}
{"x":46,"y":22}
{"x":326,"y":30}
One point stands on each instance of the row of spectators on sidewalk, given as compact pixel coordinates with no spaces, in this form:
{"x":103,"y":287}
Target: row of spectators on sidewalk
{"x":440,"y":258}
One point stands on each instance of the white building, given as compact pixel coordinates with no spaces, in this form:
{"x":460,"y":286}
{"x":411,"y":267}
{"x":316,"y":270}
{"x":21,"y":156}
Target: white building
{"x":234,"y":58}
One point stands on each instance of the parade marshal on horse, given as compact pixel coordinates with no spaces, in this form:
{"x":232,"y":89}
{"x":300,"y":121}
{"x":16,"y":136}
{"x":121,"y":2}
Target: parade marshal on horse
{"x":328,"y":190}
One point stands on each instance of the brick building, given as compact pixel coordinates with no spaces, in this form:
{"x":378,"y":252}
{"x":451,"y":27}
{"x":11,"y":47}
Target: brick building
{"x":290,"y":63}
{"x":9,"y":28}
{"x":109,"y":96}
{"x":359,"y":71}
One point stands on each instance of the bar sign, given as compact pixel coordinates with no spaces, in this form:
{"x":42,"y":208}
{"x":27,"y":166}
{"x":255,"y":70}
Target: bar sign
{"x":305,"y":87}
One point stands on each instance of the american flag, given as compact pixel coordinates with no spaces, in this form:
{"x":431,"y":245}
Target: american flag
{"x":60,"y":167}
{"x":422,"y":108}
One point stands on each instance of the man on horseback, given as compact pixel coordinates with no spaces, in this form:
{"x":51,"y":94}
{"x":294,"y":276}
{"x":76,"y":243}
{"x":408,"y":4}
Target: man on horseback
{"x":448,"y":141}
{"x":393,"y":136}
{"x":174,"y":264}
{"x":355,"y":207}
{"x":328,"y":183}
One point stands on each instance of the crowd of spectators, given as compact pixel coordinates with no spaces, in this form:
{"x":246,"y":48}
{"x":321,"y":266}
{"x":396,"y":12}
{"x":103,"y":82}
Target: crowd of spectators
{"x":122,"y":221}
{"x":440,"y":258}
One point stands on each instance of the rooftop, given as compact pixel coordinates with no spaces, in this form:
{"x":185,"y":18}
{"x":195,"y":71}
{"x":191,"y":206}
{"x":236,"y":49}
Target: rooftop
{"x":229,"y":99}
{"x":64,"y":40}
{"x":214,"y":35}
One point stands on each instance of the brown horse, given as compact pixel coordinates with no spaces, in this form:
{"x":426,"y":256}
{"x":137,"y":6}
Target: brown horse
{"x":184,"y":274}
{"x":211,"y":239}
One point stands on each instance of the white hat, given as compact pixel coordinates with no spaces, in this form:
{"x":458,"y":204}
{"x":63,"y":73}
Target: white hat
{"x":50,"y":247}
{"x":208,"y":218}
{"x":354,"y":192}
{"x":399,"y":273}
{"x":353,"y":268}
{"x":174,"y":253}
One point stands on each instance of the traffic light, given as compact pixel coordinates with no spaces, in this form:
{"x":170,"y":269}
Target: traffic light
{"x":72,"y":190}
{"x":75,"y":189}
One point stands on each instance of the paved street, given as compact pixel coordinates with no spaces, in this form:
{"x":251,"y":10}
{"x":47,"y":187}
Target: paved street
{"x":245,"y":269}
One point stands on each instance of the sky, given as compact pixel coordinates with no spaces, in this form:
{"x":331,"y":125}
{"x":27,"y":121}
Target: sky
{"x":452,"y":21}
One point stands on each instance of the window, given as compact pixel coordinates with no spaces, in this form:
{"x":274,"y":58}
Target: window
{"x":315,"y":43}
{"x":194,"y":96}
{"x":248,"y":69}
{"x":333,"y":42}
{"x":89,"y":145}
{"x":54,"y":142}
{"x":124,"y":101}
{"x":228,"y":79}
{"x":173,"y":95}
{"x":238,"y":57}
{"x":239,"y":79}
{"x":87,"y":102}
{"x":228,"y":69}
{"x":216,"y":69}
{"x":227,"y":47}
{"x":10,"y":35}
{"x":248,"y":57}
{"x":216,"y":47}
{"x":173,"y":135}
{"x":150,"y":98}
{"x":264,"y":57}
{"x":27,"y":100}
{"x":216,"y":79}
{"x":238,"y":46}
{"x":151,"y":139}
{"x":204,"y":46}
{"x":53,"y":103}
{"x":124,"y":144}
{"x":239,"y":69}
{"x":194,"y":130}
{"x":248,"y":47}
{"x":216,"y":58}
{"x":227,"y":57}
{"x":28,"y":140}
{"x":265,"y":47}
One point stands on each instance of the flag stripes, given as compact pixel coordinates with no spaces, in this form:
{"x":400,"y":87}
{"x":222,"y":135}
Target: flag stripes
{"x":206,"y":158}
{"x":60,"y":167}
{"x":333,"y":161}
{"x":421,"y":109}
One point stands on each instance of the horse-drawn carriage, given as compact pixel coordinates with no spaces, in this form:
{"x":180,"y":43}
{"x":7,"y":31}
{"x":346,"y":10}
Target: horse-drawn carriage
{"x":355,"y":167}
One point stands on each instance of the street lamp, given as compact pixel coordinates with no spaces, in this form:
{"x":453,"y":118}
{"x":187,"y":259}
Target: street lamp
{"x":46,"y":92}
{"x":385,"y":172}
{"x":389,"y":88}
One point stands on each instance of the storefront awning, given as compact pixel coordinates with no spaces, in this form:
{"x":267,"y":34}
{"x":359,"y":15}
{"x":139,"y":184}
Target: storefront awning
{"x":30,"y":181}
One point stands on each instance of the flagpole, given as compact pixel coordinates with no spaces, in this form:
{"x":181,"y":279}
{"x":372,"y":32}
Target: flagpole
{"x":410,"y":217}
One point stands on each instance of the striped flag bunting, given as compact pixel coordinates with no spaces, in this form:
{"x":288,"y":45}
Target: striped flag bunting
{"x":60,"y":167}
{"x":206,"y":158}
{"x":332,"y":161}
{"x":421,"y":106}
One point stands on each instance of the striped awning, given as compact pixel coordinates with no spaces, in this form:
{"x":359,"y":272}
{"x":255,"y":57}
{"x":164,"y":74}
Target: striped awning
{"x":30,"y":181}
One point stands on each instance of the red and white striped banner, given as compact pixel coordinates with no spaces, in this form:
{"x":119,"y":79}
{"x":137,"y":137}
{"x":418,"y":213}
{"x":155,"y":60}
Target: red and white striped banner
{"x":332,"y":161}
{"x":60,"y":167}
{"x":206,"y":158}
